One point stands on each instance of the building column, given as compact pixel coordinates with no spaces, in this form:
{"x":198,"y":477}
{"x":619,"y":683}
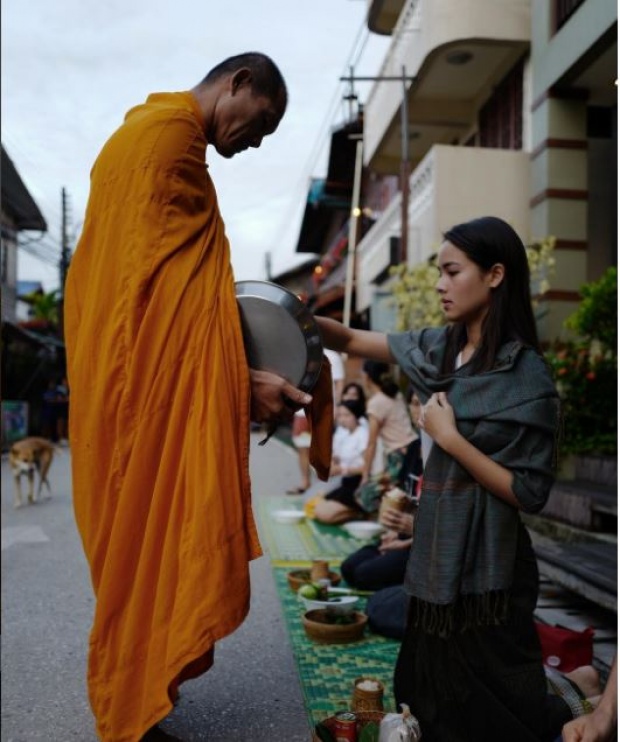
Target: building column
{"x":559,"y":199}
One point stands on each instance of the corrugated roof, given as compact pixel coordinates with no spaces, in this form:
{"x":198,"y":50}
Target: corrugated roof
{"x":16,"y":199}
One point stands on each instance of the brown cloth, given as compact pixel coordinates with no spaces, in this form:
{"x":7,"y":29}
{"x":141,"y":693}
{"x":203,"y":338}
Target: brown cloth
{"x":320,"y":414}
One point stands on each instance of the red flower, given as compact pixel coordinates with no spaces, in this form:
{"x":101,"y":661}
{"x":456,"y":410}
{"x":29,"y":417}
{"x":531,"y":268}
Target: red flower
{"x":590,"y":376}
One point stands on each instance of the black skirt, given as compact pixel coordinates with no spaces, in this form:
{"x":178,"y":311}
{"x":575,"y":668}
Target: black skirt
{"x":344,"y":494}
{"x":485,"y":684}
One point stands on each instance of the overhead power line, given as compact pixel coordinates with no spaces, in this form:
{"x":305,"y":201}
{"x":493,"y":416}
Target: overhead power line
{"x":322,"y":137}
{"x":45,"y":257}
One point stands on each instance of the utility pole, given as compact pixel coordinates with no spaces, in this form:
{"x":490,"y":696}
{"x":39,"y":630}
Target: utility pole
{"x":268,"y":265}
{"x":404,"y":172}
{"x":65,"y":253}
{"x":351,"y":96}
{"x":404,"y":154}
{"x":65,"y":257}
{"x":353,"y":220}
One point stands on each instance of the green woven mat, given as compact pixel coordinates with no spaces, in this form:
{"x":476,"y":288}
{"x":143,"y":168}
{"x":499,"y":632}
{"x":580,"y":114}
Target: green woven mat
{"x":328,"y":671}
{"x":300,"y":543}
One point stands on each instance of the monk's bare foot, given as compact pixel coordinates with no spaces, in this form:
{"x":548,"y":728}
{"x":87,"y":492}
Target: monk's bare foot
{"x":156,"y":734}
{"x":588,"y":680}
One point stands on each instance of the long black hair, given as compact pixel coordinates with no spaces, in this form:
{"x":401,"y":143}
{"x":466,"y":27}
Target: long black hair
{"x":379,"y":374}
{"x":355,"y":406}
{"x":361,"y":394}
{"x":487,"y":241}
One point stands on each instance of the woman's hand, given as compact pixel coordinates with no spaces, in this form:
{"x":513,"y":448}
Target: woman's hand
{"x":387,"y":537}
{"x":335,"y":470}
{"x":273,"y":399}
{"x":437,"y":418}
{"x":393,"y":543}
{"x":397,"y":521}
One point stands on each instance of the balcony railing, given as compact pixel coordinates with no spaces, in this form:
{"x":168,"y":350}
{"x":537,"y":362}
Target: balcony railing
{"x":441,"y":194}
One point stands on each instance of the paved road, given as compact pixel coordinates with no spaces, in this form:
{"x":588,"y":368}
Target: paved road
{"x":251,"y":693}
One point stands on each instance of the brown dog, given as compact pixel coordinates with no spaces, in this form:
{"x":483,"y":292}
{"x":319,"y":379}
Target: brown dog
{"x":26,"y":457}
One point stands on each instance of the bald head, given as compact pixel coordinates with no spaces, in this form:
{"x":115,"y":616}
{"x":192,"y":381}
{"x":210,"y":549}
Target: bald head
{"x":266,"y":78}
{"x":242,"y":101}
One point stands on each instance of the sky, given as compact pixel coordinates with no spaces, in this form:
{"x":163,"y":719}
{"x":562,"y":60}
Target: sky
{"x":71,"y":69}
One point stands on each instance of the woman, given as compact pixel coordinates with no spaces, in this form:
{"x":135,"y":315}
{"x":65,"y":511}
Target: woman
{"x":353,"y":390}
{"x":470,"y":666}
{"x":390,"y":423}
{"x":375,"y":566}
{"x":349,"y":444}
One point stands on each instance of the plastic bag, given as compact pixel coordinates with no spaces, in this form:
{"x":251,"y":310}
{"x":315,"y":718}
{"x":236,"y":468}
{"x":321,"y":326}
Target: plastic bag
{"x":400,"y":727}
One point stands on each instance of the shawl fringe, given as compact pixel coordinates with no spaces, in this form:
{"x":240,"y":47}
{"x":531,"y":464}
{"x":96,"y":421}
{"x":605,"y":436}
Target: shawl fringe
{"x":468,"y":612}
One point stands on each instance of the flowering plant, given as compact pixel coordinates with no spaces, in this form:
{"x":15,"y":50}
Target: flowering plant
{"x":586,"y":380}
{"x":586,"y":371}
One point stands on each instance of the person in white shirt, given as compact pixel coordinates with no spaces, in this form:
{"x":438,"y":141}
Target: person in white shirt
{"x":349,"y":446}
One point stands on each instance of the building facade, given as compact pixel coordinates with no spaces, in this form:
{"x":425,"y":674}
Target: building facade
{"x":19,"y":212}
{"x":511,"y":110}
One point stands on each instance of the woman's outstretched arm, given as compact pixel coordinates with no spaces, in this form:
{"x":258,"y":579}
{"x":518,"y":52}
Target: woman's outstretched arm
{"x":359,"y":343}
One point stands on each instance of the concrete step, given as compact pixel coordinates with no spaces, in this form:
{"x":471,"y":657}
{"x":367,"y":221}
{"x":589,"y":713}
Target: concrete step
{"x":582,"y":563}
{"x":584,"y":504}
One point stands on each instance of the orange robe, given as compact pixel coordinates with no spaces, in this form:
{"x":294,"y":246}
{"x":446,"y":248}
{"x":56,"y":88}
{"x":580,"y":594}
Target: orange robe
{"x":159,"y":417}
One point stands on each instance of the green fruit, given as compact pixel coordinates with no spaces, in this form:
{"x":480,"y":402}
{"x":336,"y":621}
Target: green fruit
{"x":308,"y":591}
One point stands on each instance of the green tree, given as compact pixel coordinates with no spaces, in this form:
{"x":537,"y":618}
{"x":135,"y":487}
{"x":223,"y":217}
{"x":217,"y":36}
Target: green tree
{"x":45,"y":305}
{"x":586,"y":370}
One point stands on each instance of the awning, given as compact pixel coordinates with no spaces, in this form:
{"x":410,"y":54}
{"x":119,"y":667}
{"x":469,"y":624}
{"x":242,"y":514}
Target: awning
{"x":329,"y":199}
{"x":323,"y":213}
{"x":16,"y":199}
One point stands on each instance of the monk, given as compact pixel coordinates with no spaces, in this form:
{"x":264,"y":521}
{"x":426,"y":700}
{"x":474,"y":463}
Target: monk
{"x":162,"y":397}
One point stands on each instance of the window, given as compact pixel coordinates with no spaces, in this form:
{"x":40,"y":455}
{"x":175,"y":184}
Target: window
{"x":4,"y":261}
{"x":563,"y":10}
{"x":500,"y":121}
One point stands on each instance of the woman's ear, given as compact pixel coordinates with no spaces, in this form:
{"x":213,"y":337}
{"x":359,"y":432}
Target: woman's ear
{"x":496,"y":275}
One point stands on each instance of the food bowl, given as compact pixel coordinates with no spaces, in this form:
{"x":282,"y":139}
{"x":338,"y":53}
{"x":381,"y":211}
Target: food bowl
{"x":298,"y":577}
{"x":290,"y":517}
{"x":340,"y":604}
{"x":363,"y":529}
{"x":318,"y":627}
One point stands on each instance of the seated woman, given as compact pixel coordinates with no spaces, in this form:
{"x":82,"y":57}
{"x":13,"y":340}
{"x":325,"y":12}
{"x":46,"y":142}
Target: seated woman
{"x":354,"y":390}
{"x":350,"y":442}
{"x":389,"y":422}
{"x":374,"y":567}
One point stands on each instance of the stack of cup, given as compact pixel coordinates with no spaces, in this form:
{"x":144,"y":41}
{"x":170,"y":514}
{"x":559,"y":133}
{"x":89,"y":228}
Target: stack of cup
{"x":319,"y":570}
{"x":367,"y":695}
{"x":395,"y":499}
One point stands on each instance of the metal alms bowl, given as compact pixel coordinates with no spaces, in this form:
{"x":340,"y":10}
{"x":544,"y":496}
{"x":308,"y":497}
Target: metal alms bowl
{"x":279,"y":333}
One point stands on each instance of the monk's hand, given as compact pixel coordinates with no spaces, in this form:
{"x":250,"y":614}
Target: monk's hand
{"x":274,"y":399}
{"x":437,"y":418}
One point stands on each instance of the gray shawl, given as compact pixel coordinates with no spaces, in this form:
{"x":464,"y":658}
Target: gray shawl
{"x":462,"y":559}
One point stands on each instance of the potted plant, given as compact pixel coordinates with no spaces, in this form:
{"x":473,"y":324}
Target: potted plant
{"x":586,"y":373}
